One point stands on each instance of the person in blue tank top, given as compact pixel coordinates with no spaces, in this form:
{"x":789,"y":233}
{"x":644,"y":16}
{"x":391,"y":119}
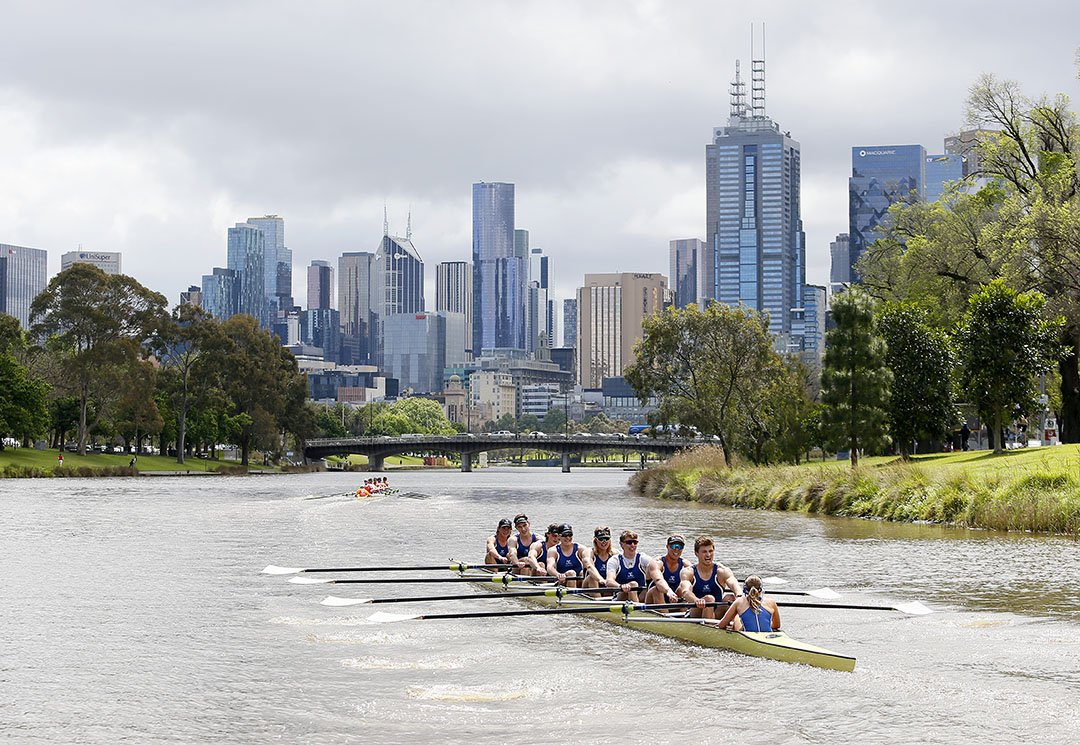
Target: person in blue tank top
{"x":627,"y":570}
{"x":567,"y":562}
{"x":601,"y":554}
{"x":665,"y":573}
{"x":498,"y":547}
{"x":520,"y":543}
{"x":538,"y":552}
{"x":753,"y":612}
{"x":707,"y":582}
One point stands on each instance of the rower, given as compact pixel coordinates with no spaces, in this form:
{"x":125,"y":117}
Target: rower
{"x":497,"y":547}
{"x":567,"y":562}
{"x":627,"y":570}
{"x":707,"y":582}
{"x":538,"y":551}
{"x":664,"y":573}
{"x":602,"y":553}
{"x":753,"y":611}
{"x":520,"y":543}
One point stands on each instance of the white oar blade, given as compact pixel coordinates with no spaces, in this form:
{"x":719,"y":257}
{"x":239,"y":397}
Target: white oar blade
{"x":344,"y":602}
{"x":310,"y":581}
{"x":825,"y":594}
{"x":915,"y":609}
{"x":281,"y":570}
{"x":382,"y":617}
{"x":774,"y":581}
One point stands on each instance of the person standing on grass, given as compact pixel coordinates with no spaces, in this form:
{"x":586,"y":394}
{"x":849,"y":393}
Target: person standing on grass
{"x":60,"y":459}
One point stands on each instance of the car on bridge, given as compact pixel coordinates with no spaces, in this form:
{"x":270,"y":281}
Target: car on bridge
{"x":536,"y":435}
{"x":503,"y":433}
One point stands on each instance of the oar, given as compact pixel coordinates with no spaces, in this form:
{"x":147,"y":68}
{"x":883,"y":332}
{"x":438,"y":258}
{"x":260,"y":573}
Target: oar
{"x":498,"y":579}
{"x":456,"y":567}
{"x":914,"y":608}
{"x":393,"y":617}
{"x":822,"y":592}
{"x":553,"y":592}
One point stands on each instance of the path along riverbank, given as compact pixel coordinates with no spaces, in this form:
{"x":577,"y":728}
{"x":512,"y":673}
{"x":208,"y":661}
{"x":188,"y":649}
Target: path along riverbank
{"x":1033,"y":490}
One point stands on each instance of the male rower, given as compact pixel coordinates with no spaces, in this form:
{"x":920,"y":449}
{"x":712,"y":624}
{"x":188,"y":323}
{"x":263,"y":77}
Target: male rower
{"x":567,"y":561}
{"x":665,"y":573}
{"x":601,"y":555}
{"x":498,"y":548}
{"x":707,"y":582}
{"x":626,"y":571}
{"x":520,"y":543}
{"x":538,"y":551}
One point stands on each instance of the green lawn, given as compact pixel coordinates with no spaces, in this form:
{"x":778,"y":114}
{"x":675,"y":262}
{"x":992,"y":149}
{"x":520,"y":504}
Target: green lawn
{"x":982,"y":462}
{"x":46,"y":460}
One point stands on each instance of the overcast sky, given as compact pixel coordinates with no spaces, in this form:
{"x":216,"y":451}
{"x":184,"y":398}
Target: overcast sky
{"x":152,"y":127}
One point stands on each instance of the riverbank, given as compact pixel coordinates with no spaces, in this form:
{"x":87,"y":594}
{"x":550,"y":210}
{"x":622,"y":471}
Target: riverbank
{"x":31,"y":463}
{"x":1035,"y":490}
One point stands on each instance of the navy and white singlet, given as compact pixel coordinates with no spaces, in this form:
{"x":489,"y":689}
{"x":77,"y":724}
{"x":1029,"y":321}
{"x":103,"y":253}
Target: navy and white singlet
{"x":633,"y":573}
{"x":564,"y":564}
{"x":601,"y":566}
{"x":502,"y":549}
{"x":523,"y":548}
{"x":672,"y":578}
{"x":703,"y":587}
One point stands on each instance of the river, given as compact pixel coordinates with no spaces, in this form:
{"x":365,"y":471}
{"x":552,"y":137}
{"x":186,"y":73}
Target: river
{"x":133,"y":610}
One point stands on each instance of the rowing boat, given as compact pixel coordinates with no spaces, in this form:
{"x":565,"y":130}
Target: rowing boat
{"x":773,"y":645}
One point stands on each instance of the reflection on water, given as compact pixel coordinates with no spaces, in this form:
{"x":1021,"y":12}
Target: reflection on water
{"x":143,"y":617}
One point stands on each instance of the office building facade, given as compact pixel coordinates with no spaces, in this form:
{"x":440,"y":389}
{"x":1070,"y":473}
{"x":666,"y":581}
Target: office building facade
{"x":247,"y":257}
{"x":192,"y":296}
{"x":277,"y":264}
{"x":454,"y":294}
{"x":418,"y":346}
{"x":356,"y":288}
{"x":942,"y":170}
{"x":569,"y":322}
{"x":320,"y":285}
{"x":611,"y":310}
{"x":23,"y":276}
{"x":840,"y":263}
{"x":881,"y":176}
{"x":106,"y":261}
{"x":686,"y":255}
{"x":221,"y":293}
{"x":500,"y":275}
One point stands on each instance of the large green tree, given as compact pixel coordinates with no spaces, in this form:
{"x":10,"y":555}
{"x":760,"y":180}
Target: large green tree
{"x":855,"y":380}
{"x":1003,"y":343}
{"x":24,"y":411}
{"x":96,"y":324}
{"x":920,"y":358}
{"x":703,"y":367}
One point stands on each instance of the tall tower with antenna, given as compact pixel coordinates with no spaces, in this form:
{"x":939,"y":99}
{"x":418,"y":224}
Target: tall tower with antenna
{"x":754,"y":252}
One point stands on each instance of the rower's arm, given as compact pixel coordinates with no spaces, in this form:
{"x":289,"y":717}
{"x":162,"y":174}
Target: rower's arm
{"x":551,"y":560}
{"x":686,"y":585}
{"x":589,"y":563}
{"x":654,"y":573}
{"x":511,"y":551}
{"x":732,"y":611}
{"x":730,"y":582}
{"x":775,"y":617}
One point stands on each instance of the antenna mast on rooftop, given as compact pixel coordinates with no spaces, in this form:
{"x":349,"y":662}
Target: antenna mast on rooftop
{"x":738,"y":95}
{"x":408,"y":226}
{"x":385,"y":221}
{"x":757,"y":76}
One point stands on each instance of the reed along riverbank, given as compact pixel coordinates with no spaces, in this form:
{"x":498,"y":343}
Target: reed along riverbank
{"x":1035,"y":490}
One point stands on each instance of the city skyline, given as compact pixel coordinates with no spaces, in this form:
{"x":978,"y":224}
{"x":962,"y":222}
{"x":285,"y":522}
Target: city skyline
{"x":142,"y":153}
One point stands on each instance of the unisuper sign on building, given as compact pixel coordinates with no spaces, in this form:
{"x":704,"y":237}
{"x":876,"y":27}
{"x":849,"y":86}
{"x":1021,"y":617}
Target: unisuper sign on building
{"x":86,"y":256}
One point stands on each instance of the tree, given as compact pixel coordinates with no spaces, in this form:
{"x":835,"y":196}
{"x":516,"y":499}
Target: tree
{"x":528,"y":423}
{"x":921,"y":361}
{"x":24,"y":409}
{"x":426,"y":415}
{"x":96,"y":323}
{"x":703,"y":366}
{"x":554,"y":421}
{"x":773,"y":426}
{"x":855,"y":381}
{"x":180,"y":346}
{"x":1003,"y":344}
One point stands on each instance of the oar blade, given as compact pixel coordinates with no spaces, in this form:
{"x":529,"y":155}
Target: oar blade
{"x":914,"y":608}
{"x":774,"y":581}
{"x":271,"y":569}
{"x":310,"y":581}
{"x":825,"y":594}
{"x":383,"y":617}
{"x":335,"y":602}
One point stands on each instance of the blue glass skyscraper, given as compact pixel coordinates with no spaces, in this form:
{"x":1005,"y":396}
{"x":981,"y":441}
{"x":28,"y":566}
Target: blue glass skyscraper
{"x":881,"y":175}
{"x":941,"y":170}
{"x":500,"y":276}
{"x":247,"y":257}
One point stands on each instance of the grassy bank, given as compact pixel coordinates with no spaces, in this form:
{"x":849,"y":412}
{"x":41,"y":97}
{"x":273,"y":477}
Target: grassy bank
{"x":28,"y":463}
{"x":1027,"y":490}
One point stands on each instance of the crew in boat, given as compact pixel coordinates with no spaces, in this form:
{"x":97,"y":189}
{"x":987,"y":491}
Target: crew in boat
{"x":538,"y":552}
{"x":520,"y":543}
{"x":707,"y":582}
{"x":568,"y":561}
{"x":602,"y":554}
{"x":626,"y":570}
{"x":498,"y":547}
{"x":665,"y":573}
{"x":753,"y":611}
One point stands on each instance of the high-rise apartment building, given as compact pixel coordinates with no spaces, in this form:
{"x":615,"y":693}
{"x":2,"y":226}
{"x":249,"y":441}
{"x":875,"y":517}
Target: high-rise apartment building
{"x":320,"y":285}
{"x":755,"y":253}
{"x":247,"y":257}
{"x":277,"y":264}
{"x":538,"y":321}
{"x":221,"y":292}
{"x":356,"y":301}
{"x":686,"y":256}
{"x":500,"y":275}
{"x":881,"y":176}
{"x":454,"y":294}
{"x":612,"y":308}
{"x":840,"y":266}
{"x":814,"y":301}
{"x":23,"y":274}
{"x":569,"y":322}
{"x":106,"y":261}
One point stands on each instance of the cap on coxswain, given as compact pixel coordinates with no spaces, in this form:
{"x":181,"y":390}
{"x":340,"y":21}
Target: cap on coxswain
{"x":565,"y":529}
{"x":505,"y":523}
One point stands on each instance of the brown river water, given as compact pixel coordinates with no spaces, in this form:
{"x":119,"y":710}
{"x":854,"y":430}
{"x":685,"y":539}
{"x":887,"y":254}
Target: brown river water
{"x":133,"y":610}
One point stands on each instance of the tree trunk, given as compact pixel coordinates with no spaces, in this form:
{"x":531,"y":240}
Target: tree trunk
{"x":725,"y":448}
{"x":997,"y":433}
{"x":181,"y":430}
{"x":245,"y":441}
{"x":1069,"y":416}
{"x":853,"y":452}
{"x":83,"y":403}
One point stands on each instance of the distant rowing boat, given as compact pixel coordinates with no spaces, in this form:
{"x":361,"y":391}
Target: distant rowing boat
{"x":773,"y":645}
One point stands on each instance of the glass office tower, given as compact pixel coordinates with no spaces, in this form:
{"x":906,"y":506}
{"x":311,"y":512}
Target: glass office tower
{"x":499,"y":274}
{"x":247,"y":257}
{"x":22,"y":278}
{"x":221,"y":293}
{"x":881,"y":176}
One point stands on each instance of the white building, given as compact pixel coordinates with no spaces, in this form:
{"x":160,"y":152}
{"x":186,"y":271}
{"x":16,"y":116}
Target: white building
{"x":106,"y":261}
{"x":537,"y":399}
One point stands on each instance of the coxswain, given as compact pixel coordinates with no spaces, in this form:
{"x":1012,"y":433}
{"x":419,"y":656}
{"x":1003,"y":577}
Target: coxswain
{"x":567,"y":561}
{"x":626,"y":571}
{"x":498,"y":549}
{"x":707,"y":582}
{"x":538,"y":552}
{"x":602,"y":553}
{"x":665,"y":573}
{"x":520,"y":543}
{"x":753,"y":611}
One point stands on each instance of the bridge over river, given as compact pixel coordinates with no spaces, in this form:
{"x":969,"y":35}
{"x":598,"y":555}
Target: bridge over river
{"x":377,"y":449}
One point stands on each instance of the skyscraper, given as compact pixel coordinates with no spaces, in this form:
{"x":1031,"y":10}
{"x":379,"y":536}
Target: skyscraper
{"x":454,"y":294}
{"x":612,"y":308}
{"x":192,"y":296}
{"x":942,"y":170}
{"x":840,"y":270}
{"x":221,"y":293}
{"x":881,"y":176}
{"x":399,"y":283}
{"x":23,"y":274}
{"x":499,"y":274}
{"x":247,"y":257}
{"x":686,"y":260}
{"x":754,"y":253}
{"x":418,"y":346}
{"x":356,"y":290}
{"x":537,"y":320}
{"x":320,"y":285}
{"x":569,"y":322}
{"x":274,"y":256}
{"x":106,"y":261}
